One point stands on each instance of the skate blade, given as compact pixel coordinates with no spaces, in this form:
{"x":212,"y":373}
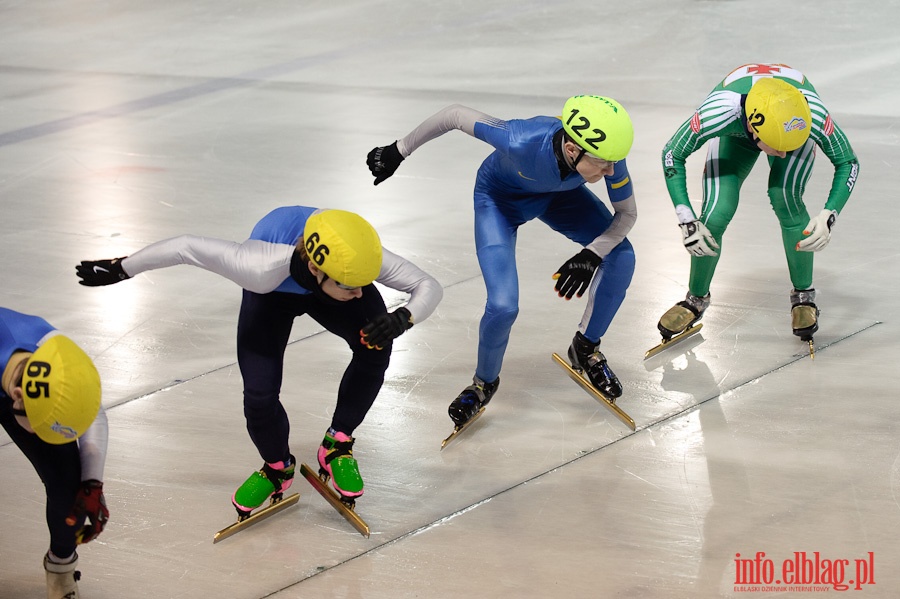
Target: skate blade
{"x":459,"y":429}
{"x":269,"y":510}
{"x":812,"y":350}
{"x":587,"y":386}
{"x":687,"y":333}
{"x":334,"y":499}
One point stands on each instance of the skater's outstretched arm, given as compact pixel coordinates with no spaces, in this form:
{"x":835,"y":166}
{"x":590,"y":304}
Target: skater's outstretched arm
{"x":385,"y":160}
{"x":255,"y":265}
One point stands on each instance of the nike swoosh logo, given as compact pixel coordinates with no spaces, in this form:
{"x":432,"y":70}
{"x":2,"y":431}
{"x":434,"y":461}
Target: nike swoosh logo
{"x":99,"y":269}
{"x":524,"y":177}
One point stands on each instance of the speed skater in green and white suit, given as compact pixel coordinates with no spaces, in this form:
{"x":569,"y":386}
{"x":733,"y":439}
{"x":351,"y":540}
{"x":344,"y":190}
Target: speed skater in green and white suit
{"x":768,"y":109}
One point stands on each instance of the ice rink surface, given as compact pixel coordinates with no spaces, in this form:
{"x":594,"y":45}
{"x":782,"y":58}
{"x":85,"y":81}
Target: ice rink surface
{"x":124,"y":123}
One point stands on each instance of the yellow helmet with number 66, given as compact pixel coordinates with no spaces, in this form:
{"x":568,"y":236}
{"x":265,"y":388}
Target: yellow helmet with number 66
{"x":344,"y":246}
{"x":600,"y":125}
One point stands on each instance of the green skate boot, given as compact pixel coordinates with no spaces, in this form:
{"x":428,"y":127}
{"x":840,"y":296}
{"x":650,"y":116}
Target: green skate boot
{"x":271,"y":481}
{"x":337,"y":462}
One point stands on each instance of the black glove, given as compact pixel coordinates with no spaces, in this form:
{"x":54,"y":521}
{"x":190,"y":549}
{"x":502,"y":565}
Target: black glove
{"x":90,"y":505}
{"x":576,"y":273}
{"x":385,"y":328}
{"x":96,"y":273}
{"x":384,"y":161}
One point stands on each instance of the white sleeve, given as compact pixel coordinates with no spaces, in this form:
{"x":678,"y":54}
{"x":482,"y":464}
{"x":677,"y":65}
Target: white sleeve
{"x":401,"y":274}
{"x":623,"y":221}
{"x":92,"y":448}
{"x":258,"y":266}
{"x":453,"y":117}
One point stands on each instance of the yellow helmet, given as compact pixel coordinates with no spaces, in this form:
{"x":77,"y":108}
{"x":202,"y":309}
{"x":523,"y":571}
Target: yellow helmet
{"x":61,"y":389}
{"x":344,"y":246}
{"x":779,"y":114}
{"x":601,"y":126}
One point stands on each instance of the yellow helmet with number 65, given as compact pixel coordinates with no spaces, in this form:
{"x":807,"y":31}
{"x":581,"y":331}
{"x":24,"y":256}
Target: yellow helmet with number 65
{"x":344,"y":246}
{"x":600,"y":125}
{"x":61,"y":391}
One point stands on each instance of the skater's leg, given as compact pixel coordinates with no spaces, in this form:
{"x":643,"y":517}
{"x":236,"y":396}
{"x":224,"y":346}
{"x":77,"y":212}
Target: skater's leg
{"x":264,"y":326}
{"x":787,"y":182}
{"x":607,"y":291}
{"x":582,"y":217}
{"x":59,"y":468}
{"x":495,"y":243}
{"x":364,"y":376}
{"x":728,"y":163}
{"x":359,"y":386}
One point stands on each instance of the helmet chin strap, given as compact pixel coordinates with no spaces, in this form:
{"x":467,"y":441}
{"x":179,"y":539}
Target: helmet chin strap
{"x":578,"y":158}
{"x":301,"y":274}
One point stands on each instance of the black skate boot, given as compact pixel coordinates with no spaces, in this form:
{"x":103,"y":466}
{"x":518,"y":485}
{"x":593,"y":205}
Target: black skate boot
{"x":682,"y":315}
{"x":586,"y":357}
{"x":804,"y":313}
{"x":473,"y":398}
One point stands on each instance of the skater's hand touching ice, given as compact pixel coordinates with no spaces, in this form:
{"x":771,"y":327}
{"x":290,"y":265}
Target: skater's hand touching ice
{"x":575,"y":275}
{"x":96,"y":273}
{"x":384,"y":161}
{"x":698,"y":240}
{"x":819,"y":231}
{"x":90,"y":505}
{"x":385,"y":328}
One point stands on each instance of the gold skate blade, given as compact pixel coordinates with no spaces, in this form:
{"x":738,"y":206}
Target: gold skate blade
{"x":459,"y":429}
{"x":334,"y":499}
{"x":587,"y":386}
{"x":689,"y":332}
{"x":269,"y":510}
{"x":812,"y":350}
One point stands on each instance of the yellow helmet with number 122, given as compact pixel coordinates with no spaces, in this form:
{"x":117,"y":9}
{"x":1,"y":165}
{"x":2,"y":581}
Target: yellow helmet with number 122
{"x":600,"y":125}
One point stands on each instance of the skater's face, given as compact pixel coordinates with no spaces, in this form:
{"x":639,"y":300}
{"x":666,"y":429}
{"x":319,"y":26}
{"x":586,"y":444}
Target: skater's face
{"x":332,"y":288}
{"x":18,"y":397}
{"x":767,"y":149}
{"x":590,"y":167}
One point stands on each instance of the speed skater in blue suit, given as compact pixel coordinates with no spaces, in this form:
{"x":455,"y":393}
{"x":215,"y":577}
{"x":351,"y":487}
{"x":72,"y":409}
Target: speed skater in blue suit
{"x":539,"y":169}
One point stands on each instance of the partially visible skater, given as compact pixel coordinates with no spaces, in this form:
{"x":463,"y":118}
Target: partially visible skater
{"x":50,"y":407}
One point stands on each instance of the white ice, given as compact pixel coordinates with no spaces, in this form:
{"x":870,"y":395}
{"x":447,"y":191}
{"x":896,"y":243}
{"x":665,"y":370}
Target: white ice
{"x":123,"y":123}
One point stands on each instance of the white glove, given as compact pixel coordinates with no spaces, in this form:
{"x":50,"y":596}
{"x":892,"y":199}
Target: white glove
{"x":819,"y":231}
{"x":698,"y":241}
